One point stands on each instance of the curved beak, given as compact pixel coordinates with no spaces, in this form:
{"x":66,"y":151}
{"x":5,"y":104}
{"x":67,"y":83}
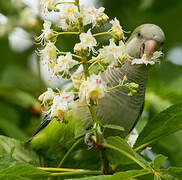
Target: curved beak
{"x":149,"y":47}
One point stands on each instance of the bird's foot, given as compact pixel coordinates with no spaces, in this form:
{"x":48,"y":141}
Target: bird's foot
{"x":88,"y":140}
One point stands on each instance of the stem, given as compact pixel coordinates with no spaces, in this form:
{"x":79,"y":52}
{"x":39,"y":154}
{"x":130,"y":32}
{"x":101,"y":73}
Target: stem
{"x":93,"y":60}
{"x":119,"y":85}
{"x":80,"y":20}
{"x":64,"y":3}
{"x":126,"y":154}
{"x":83,"y":172}
{"x":162,"y":176}
{"x":93,"y":64}
{"x":59,"y":169}
{"x":102,"y":33}
{"x":69,"y":151}
{"x":64,"y":53}
{"x":85,"y":67}
{"x":66,"y":33}
{"x":93,"y":114}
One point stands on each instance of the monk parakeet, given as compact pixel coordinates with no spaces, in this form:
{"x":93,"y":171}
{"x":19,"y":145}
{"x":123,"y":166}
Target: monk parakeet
{"x":116,"y":107}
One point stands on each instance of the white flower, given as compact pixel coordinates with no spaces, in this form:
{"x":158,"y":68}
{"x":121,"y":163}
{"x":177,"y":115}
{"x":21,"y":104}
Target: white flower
{"x":87,"y":41}
{"x":48,"y":95}
{"x":94,"y":88}
{"x":112,"y":54}
{"x":91,"y":14}
{"x":116,"y":29}
{"x":156,"y":55}
{"x":77,"y":77}
{"x":62,"y":103}
{"x":69,"y":12}
{"x":64,"y":25}
{"x":64,"y":63}
{"x":144,"y":60}
{"x":49,"y":53}
{"x":47,"y":5}
{"x":47,"y":33}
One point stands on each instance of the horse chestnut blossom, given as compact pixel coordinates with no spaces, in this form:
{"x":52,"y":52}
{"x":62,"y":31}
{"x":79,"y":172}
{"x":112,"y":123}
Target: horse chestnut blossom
{"x":88,"y":86}
{"x":49,"y":53}
{"x":47,"y":96}
{"x":64,"y":63}
{"x":70,"y":13}
{"x":47,"y":5}
{"x":94,"y":88}
{"x":77,"y":77}
{"x":47,"y":33}
{"x":91,"y":15}
{"x":112,"y":54}
{"x":59,"y":103}
{"x":62,"y":103}
{"x":116,"y":29}
{"x":87,"y":41}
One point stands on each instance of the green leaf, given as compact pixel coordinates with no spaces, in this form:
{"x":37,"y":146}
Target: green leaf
{"x":25,"y":170}
{"x":157,"y":162}
{"x":163,"y":124}
{"x":120,"y":175}
{"x":6,"y":161}
{"x":113,"y":126}
{"x":173,"y":171}
{"x":21,"y":152}
{"x":9,"y":166}
{"x":127,"y":157}
{"x":12,"y":177}
{"x":92,"y":177}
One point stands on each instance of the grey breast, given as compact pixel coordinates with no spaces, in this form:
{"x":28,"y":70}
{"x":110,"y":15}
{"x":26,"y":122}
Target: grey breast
{"x":117,"y":107}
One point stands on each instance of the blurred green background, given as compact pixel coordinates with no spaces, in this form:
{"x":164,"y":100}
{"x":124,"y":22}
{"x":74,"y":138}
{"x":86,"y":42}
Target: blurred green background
{"x":21,"y":82}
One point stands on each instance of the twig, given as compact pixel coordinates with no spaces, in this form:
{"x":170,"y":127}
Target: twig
{"x":69,"y":151}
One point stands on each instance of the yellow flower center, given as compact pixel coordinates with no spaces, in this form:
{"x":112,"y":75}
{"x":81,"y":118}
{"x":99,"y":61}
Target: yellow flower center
{"x":70,"y":10}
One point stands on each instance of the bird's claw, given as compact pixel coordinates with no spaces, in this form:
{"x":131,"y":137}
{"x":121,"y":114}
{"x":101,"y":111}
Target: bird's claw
{"x":88,"y":140}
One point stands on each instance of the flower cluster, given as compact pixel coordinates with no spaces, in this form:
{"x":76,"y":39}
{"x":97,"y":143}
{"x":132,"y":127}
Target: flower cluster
{"x":112,"y":54}
{"x":155,"y":58}
{"x":93,"y":16}
{"x":89,"y":87}
{"x":64,"y":63}
{"x":88,"y":42}
{"x":47,"y":33}
{"x":93,"y":88}
{"x":116,"y":29}
{"x":57,"y":103}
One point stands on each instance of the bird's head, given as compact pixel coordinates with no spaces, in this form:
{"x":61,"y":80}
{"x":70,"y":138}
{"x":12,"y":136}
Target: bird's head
{"x":145,"y":40}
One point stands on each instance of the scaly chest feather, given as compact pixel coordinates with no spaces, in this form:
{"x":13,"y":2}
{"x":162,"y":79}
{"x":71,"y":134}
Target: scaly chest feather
{"x":117,"y":107}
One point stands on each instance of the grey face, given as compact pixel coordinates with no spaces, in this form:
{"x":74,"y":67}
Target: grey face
{"x":147,"y":39}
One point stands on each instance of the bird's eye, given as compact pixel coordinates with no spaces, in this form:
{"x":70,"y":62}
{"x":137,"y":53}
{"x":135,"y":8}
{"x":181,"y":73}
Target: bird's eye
{"x":139,"y":34}
{"x":162,"y":43}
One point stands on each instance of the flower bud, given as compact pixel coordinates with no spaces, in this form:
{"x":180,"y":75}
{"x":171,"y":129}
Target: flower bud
{"x":78,"y":48}
{"x":101,"y":20}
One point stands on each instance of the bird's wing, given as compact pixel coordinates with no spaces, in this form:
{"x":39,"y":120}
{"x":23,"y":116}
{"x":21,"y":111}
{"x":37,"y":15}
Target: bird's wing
{"x":45,"y":122}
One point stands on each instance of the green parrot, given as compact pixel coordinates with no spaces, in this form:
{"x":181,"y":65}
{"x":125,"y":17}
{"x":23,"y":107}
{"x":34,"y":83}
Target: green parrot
{"x":116,"y":107}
